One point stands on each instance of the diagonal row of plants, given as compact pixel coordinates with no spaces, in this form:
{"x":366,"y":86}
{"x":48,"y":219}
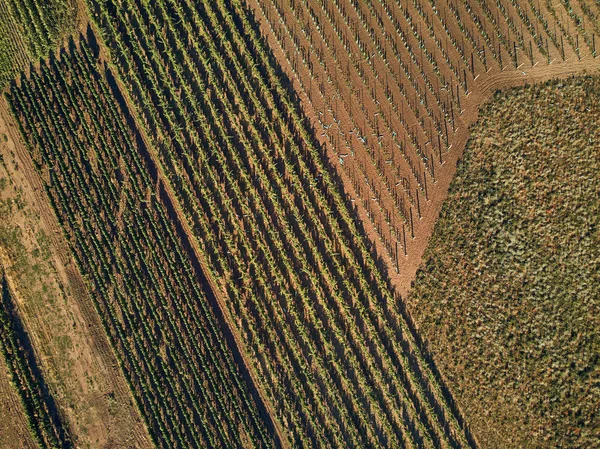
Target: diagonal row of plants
{"x":13,"y":55}
{"x":369,"y":93}
{"x":344,"y":128}
{"x":270,"y":242}
{"x":153,"y":305}
{"x":302,"y":286}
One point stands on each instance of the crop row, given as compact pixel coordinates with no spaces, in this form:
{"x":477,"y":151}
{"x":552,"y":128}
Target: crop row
{"x":366,"y":125}
{"x":301,"y":281}
{"x":156,"y":308}
{"x":348,"y":142}
{"x":13,"y":56}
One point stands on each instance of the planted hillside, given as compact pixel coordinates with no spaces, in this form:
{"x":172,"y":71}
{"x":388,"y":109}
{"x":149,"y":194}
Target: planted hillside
{"x":508,"y":295}
{"x":44,"y":421}
{"x":335,"y":357}
{"x":232,"y":199}
{"x":154,"y":302}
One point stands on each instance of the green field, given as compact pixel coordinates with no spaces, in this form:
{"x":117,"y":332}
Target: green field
{"x":508,"y":296}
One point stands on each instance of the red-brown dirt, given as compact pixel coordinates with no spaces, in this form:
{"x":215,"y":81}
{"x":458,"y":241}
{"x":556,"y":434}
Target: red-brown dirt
{"x":383,"y":99}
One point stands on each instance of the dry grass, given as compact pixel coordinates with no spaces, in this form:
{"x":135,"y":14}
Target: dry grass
{"x":508,"y":294}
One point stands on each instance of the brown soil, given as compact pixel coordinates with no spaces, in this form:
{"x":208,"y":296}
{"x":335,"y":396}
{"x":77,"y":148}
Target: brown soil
{"x":71,"y":347}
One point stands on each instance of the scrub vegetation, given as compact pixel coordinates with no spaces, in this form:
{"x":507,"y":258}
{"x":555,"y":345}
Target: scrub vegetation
{"x":508,"y":295}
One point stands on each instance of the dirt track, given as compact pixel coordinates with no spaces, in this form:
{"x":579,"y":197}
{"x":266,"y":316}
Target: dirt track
{"x":315,"y":105}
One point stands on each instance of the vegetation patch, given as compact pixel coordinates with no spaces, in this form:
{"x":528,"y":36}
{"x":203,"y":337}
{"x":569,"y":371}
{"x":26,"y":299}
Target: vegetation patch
{"x":43,"y":22}
{"x":508,"y":294}
{"x":30,"y":29}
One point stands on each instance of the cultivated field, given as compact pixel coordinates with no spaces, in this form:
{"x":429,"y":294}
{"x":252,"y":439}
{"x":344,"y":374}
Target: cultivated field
{"x":508,"y":295}
{"x":146,"y":289}
{"x":391,"y":87}
{"x":246,"y":189}
{"x":333,"y":352}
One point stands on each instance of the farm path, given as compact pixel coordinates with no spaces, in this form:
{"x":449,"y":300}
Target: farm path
{"x":402,"y":270}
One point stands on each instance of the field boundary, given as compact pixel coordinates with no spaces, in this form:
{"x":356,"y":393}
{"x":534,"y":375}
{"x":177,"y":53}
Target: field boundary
{"x":481,"y":94}
{"x":398,"y":270}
